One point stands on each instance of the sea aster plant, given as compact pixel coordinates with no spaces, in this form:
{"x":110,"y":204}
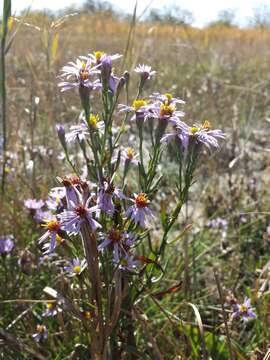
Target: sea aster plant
{"x":244,"y":311}
{"x":139,"y":211}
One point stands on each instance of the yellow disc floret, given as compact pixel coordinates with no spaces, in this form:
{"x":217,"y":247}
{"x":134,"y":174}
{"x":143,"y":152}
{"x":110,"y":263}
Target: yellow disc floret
{"x":166,"y":110}
{"x":141,"y":200}
{"x":168,"y":96}
{"x":130,"y":153}
{"x":52,"y":225}
{"x":206,"y":125}
{"x":93,"y":120}
{"x":243,"y":308}
{"x":98,"y":55}
{"x":137,"y":104}
{"x":77,"y":269}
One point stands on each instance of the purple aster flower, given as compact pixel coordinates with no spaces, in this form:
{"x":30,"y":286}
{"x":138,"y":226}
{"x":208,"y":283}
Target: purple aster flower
{"x":106,"y":193}
{"x":53,"y":228}
{"x":145,"y":71}
{"x":41,"y":334}
{"x":200,"y":134}
{"x":78,"y":213}
{"x":139,"y":211}
{"x":51,"y":309}
{"x":33,"y":204}
{"x":207,"y":137}
{"x":129,"y":157}
{"x":46,"y":258}
{"x":40,"y":215}
{"x":166,"y":98}
{"x":81,"y":72}
{"x":128,"y":262}
{"x":78,"y":132}
{"x":75,"y":267}
{"x":6,"y":245}
{"x":177,"y":134}
{"x":141,"y":108}
{"x":121,"y":241}
{"x":243,"y":311}
{"x":167,"y":113}
{"x":98,"y":56}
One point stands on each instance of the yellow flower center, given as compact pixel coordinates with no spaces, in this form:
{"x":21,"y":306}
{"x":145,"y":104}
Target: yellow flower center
{"x":52,"y":225}
{"x":130,"y":153}
{"x":168,"y":96}
{"x":194,"y":130}
{"x":50,"y":305}
{"x":243,"y":308}
{"x":93,"y":120}
{"x":98,"y":55}
{"x":87,"y":314}
{"x":166,"y":110}
{"x":41,"y":328}
{"x":59,"y":240}
{"x":141,"y":200}
{"x":137,"y":104}
{"x":115,"y":236}
{"x":77,"y":269}
{"x":84,"y":74}
{"x":206,"y":125}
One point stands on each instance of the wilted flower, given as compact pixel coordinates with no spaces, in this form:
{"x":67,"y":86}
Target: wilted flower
{"x":6,"y":245}
{"x":75,"y":267}
{"x":139,"y":211}
{"x":145,"y":71}
{"x":81,"y":72}
{"x":243,"y":311}
{"x":121,"y":241}
{"x":106,"y":193}
{"x":41,"y":334}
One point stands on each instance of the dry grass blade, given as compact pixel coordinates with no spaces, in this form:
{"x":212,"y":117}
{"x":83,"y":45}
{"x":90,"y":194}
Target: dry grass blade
{"x":200,"y":324}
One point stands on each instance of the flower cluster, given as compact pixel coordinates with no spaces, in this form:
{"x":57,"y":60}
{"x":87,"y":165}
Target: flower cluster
{"x":102,"y":217}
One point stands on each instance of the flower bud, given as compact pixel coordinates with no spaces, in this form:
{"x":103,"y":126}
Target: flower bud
{"x":61,"y":134}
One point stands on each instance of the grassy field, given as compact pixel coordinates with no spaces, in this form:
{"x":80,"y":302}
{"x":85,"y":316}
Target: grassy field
{"x":219,"y":247}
